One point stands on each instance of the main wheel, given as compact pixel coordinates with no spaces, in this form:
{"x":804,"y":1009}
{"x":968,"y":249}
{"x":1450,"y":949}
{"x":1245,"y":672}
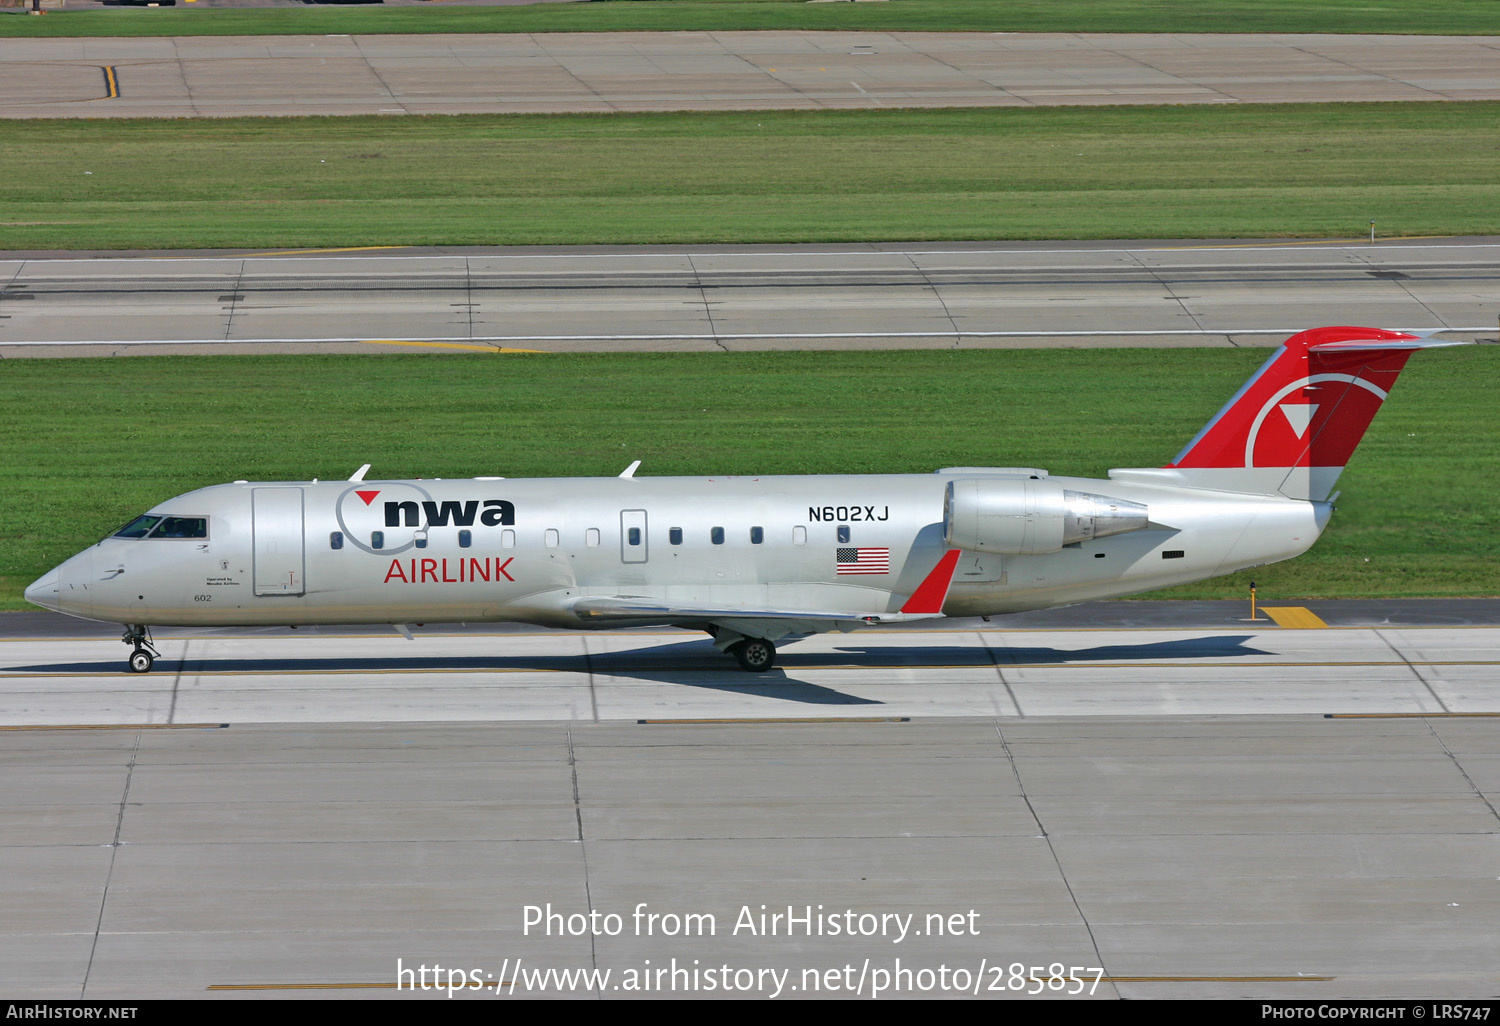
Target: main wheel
{"x":140,"y":661}
{"x":755,"y":654}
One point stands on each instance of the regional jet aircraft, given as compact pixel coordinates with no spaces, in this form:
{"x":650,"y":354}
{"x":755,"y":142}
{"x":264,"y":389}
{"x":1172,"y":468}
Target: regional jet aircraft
{"x":750,"y":560}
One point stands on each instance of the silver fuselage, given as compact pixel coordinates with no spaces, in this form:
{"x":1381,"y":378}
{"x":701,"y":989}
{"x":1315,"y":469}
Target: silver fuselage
{"x":537,"y":551}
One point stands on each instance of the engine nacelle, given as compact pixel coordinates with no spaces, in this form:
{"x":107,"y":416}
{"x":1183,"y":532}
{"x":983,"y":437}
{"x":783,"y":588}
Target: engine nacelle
{"x":1026,"y":517}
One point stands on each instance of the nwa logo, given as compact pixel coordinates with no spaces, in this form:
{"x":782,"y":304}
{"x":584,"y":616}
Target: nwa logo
{"x":391,"y":518}
{"x":442,"y":514}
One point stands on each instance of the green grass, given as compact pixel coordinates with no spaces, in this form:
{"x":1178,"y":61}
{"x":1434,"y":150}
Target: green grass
{"x":90,"y":443}
{"x":1300,"y":170}
{"x":1449,"y":17}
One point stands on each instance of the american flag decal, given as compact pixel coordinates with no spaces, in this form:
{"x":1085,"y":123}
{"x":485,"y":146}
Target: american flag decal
{"x":863,"y":561}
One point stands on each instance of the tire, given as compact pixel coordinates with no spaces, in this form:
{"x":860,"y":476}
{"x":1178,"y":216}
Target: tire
{"x":756,"y":655}
{"x":140,"y":661}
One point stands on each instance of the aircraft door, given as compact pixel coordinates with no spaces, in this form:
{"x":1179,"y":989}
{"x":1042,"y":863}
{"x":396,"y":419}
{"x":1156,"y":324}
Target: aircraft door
{"x":633,"y":536}
{"x":278,"y":541}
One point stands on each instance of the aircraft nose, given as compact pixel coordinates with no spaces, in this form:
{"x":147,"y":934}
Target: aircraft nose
{"x":43,"y":591}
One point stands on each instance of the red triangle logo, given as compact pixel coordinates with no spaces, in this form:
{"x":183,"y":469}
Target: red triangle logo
{"x":369,"y":497}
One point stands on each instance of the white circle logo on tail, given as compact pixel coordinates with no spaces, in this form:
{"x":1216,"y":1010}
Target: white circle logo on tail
{"x":1298,"y":416}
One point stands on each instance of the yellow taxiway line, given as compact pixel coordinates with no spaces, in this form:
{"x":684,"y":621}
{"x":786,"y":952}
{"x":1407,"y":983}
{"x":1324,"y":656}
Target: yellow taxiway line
{"x":445,"y":345}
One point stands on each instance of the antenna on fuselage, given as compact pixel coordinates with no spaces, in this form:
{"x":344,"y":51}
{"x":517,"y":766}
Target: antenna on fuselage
{"x":359,"y":475}
{"x":629,"y":471}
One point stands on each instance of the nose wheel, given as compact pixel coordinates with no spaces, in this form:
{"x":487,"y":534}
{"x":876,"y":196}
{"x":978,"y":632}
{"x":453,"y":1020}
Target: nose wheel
{"x":145,"y":653}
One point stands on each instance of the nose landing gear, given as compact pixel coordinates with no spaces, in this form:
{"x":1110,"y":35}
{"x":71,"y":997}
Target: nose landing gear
{"x":145,"y":653}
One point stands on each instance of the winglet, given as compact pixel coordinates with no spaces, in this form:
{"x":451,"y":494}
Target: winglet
{"x":931,"y":593}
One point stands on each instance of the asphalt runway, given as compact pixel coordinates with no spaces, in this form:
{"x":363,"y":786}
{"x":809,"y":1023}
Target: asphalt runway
{"x":1215,"y":809}
{"x":652,"y":71}
{"x":922,"y":295}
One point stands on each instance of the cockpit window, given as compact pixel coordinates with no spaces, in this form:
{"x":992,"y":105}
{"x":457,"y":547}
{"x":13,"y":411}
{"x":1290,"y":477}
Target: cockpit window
{"x":138,"y":528}
{"x":182,"y":527}
{"x":164,"y":527}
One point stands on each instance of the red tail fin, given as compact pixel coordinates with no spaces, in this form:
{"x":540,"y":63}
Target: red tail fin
{"x":1294,"y":425}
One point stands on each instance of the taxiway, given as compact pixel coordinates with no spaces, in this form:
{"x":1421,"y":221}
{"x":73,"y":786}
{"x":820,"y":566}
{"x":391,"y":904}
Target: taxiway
{"x":920,"y":295}
{"x":197,"y":76}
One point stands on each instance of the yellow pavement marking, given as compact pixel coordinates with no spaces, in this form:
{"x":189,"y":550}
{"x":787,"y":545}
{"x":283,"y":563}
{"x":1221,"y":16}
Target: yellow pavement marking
{"x":1410,"y":716}
{"x":120,"y":726}
{"x":1213,"y":979}
{"x":785,"y":719}
{"x":445,"y":345}
{"x":1365,"y":240}
{"x":1293,"y":616}
{"x":344,"y":249}
{"x":354,"y":986}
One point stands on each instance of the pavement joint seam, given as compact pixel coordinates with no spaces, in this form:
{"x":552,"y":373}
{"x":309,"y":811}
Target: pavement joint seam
{"x":958,"y":335}
{"x":588,"y":898}
{"x":1463,"y":772}
{"x":1051,"y":848}
{"x":1412,"y":667}
{"x":114,"y":850}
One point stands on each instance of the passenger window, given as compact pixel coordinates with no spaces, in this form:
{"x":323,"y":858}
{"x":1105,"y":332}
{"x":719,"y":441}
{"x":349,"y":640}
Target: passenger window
{"x":377,"y":539}
{"x":757,"y":536}
{"x":799,"y":535}
{"x":465,"y":539}
{"x":674,"y":535}
{"x":716,"y":535}
{"x":843,"y":534}
{"x":507,"y":539}
{"x":591,"y":537}
{"x":336,"y":540}
{"x":421,"y":540}
{"x":552,"y":540}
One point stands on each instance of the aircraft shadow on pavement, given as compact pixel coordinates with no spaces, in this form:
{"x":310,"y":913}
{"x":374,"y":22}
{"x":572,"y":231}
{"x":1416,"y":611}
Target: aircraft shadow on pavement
{"x":694,"y":663}
{"x":1215,"y":647}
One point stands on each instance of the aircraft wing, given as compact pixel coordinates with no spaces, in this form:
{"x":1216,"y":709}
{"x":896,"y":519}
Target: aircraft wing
{"x":627,"y":610}
{"x":640,"y":611}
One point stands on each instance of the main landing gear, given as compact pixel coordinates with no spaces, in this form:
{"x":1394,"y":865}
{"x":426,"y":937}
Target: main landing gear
{"x":145,"y":653}
{"x":755,"y":654}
